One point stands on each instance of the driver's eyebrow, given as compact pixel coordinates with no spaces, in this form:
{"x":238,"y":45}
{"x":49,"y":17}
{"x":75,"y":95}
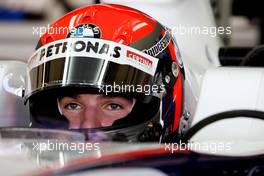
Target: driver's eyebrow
{"x":76,"y":96}
{"x":103,"y":96}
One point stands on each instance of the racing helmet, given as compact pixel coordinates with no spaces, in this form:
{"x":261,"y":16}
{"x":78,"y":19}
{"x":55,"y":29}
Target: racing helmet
{"x":100,"y":45}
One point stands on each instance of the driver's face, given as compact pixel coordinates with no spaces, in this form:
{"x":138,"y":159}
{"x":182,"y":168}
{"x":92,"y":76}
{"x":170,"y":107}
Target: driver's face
{"x":93,"y":111}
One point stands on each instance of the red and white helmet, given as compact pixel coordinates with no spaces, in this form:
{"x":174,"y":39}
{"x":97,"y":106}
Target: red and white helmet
{"x":101,"y":45}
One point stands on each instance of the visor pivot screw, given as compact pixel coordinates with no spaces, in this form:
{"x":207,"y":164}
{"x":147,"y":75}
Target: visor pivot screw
{"x":167,"y":79}
{"x":174,"y":69}
{"x":23,"y":93}
{"x":150,"y":125}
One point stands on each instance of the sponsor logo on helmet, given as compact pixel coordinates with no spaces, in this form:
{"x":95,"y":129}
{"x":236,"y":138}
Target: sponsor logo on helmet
{"x":138,"y":58}
{"x":85,"y":31}
{"x":94,"y":48}
{"x":160,"y":45}
{"x":79,"y":46}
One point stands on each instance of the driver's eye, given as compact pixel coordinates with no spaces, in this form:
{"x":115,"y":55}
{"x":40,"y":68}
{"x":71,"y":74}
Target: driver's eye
{"x":72,"y":106}
{"x":114,"y":107}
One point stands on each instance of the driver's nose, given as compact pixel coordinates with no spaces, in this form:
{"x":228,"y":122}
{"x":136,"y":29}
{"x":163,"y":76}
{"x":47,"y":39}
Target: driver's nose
{"x":90,"y":118}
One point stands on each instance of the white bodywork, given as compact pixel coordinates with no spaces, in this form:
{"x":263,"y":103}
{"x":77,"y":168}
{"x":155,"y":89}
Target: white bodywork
{"x":13,"y":112}
{"x":233,"y":88}
{"x":228,"y":89}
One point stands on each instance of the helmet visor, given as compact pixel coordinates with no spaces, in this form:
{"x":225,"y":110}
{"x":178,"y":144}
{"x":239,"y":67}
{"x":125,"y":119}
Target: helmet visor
{"x":88,"y":62}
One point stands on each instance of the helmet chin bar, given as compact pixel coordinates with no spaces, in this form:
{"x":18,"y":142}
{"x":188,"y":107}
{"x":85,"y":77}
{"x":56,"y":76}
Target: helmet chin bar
{"x":150,"y":131}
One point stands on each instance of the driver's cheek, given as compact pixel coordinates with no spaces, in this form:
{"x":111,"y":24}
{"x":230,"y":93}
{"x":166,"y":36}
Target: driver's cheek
{"x":73,"y":119}
{"x":110,"y":117}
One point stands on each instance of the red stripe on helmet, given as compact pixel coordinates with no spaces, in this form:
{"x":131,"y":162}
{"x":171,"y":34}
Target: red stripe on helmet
{"x":177,"y":92}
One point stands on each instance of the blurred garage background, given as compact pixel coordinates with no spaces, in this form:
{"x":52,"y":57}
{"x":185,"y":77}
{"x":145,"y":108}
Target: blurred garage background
{"x":18,"y":18}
